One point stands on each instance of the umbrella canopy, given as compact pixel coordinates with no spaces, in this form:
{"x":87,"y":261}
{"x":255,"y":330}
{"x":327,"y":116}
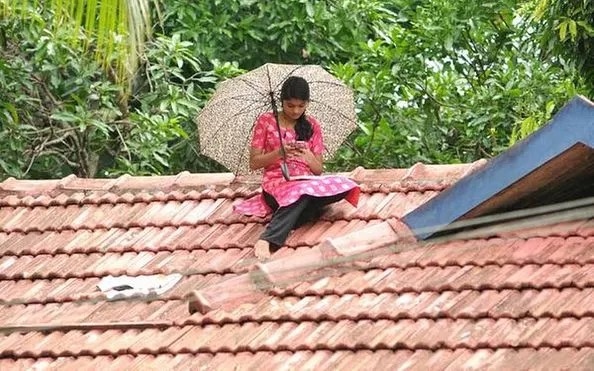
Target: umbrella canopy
{"x":225,"y":124}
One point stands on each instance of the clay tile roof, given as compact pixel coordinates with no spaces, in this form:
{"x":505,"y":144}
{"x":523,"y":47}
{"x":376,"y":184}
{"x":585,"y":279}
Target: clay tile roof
{"x":333,"y":298}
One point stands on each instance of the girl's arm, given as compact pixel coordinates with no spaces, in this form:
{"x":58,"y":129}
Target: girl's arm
{"x":315,"y":162}
{"x":259,"y":159}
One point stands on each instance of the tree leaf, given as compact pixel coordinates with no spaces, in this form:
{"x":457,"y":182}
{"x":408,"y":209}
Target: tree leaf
{"x":550,"y":107}
{"x":572,"y":29}
{"x":65,"y":116}
{"x":309,"y":9}
{"x":563,"y":30}
{"x":13,"y":112}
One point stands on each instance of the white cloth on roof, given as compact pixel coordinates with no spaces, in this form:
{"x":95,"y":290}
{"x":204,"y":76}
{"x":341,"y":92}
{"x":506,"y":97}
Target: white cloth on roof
{"x":120,"y":287}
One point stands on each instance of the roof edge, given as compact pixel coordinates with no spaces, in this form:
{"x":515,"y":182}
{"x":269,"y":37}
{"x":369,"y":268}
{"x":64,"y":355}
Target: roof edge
{"x":569,"y":126}
{"x":121,"y":184}
{"x":417,"y":174}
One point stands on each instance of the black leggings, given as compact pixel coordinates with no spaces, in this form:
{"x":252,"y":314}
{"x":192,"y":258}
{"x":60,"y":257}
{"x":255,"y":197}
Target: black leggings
{"x":306,"y":209}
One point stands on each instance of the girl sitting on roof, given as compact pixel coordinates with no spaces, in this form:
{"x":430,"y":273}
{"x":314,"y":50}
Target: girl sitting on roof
{"x":292,"y":202}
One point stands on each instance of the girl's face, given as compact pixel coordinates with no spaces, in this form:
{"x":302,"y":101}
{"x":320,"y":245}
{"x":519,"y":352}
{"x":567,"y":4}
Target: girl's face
{"x":294,"y":108}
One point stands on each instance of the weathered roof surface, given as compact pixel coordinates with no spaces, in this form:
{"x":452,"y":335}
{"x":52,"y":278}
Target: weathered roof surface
{"x":509,"y":300}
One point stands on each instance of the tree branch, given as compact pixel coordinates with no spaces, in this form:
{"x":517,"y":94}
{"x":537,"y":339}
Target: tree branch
{"x":126,"y":149}
{"x":479,"y":72}
{"x":60,"y":139}
{"x":433,"y":98}
{"x":62,"y":156}
{"x":45,"y":89}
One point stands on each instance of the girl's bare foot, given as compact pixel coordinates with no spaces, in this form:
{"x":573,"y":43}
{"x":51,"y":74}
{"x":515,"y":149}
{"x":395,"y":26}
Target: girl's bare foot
{"x":262,"y":249}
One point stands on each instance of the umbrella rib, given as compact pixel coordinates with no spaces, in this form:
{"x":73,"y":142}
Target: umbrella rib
{"x":333,"y":83}
{"x":283,"y":166}
{"x":287,"y":76}
{"x":260,"y":108}
{"x":270,"y":90}
{"x":244,"y":109}
{"x":240,"y":161}
{"x":253,"y":86}
{"x":245,"y":97}
{"x":334,"y":110}
{"x":242,"y":97}
{"x":249,"y":108}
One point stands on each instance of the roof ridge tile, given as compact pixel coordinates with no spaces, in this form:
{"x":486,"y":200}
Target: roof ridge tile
{"x":476,"y":165}
{"x":115,"y":184}
{"x":414,"y":171}
{"x":357,"y":173}
{"x":179,"y":177}
{"x":27,"y":186}
{"x":123,"y":183}
{"x":129,"y":196}
{"x":368,"y":239}
{"x":63,"y":183}
{"x":324,"y":258}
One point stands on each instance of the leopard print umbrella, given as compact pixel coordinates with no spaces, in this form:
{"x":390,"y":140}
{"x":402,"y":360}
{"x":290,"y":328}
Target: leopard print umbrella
{"x":225,"y":124}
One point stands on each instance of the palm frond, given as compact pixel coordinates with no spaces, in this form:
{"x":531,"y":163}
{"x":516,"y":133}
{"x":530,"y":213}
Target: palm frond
{"x":118,"y":29}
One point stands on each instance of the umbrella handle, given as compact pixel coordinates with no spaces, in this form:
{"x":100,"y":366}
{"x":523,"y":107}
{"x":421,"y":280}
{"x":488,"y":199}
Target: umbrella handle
{"x":283,"y":166}
{"x":285,"y":170}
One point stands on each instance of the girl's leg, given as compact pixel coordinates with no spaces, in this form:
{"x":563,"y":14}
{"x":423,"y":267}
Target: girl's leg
{"x":283,"y":221}
{"x":316,"y":208}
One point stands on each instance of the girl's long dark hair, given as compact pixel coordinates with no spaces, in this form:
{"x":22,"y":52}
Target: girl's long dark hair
{"x":296,"y":87}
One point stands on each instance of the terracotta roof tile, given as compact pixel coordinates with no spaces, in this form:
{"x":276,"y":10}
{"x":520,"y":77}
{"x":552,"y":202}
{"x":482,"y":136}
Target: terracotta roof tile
{"x":509,"y":299}
{"x":343,"y":359}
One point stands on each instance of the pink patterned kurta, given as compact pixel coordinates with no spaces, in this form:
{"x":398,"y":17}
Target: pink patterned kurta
{"x":287,"y":192}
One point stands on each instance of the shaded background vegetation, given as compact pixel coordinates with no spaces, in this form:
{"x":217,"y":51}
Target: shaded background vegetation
{"x":99,"y":95}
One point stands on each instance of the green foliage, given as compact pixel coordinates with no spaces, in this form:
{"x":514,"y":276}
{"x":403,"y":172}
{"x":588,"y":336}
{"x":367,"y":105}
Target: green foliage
{"x":565,"y":29}
{"x":59,"y":102}
{"x":255,"y":32}
{"x":170,"y":91}
{"x":164,"y":100}
{"x":453,"y":81}
{"x":185,"y":154}
{"x":438,"y":82}
{"x":448,"y":81}
{"x":63,"y":114}
{"x":119,"y":28}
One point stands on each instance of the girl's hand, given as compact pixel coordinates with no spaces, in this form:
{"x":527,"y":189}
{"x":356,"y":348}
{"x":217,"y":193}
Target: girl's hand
{"x":305,"y":153}
{"x":314,"y":162}
{"x":291,"y":151}
{"x":294,"y":149}
{"x":301,"y":150}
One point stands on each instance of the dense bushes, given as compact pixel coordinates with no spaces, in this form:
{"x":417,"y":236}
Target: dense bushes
{"x":440,"y":82}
